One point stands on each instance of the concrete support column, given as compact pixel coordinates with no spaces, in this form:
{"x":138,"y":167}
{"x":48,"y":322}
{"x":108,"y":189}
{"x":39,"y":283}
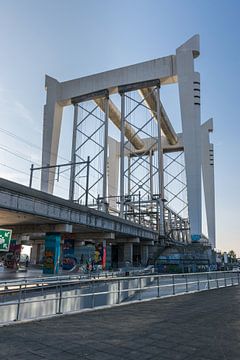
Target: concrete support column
{"x":144,"y":254}
{"x":104,"y":256}
{"x":151,"y":251}
{"x":52,"y":253}
{"x":120,"y":253}
{"x":51,"y":132}
{"x":128,"y":252}
{"x":73,"y":157}
{"x":34,"y":253}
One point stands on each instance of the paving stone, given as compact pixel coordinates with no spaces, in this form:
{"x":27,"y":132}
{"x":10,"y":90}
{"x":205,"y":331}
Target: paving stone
{"x":197,"y":326}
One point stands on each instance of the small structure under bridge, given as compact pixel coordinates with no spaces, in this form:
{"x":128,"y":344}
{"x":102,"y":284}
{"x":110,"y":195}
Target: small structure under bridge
{"x":127,"y":159}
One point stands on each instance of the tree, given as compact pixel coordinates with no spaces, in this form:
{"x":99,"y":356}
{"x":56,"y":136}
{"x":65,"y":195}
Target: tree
{"x":232,"y":256}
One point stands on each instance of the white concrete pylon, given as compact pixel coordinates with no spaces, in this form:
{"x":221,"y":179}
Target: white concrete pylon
{"x":52,"y":120}
{"x":208,"y":179}
{"x":189,"y":93}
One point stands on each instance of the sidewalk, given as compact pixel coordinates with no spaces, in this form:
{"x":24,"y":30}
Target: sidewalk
{"x":10,"y":274}
{"x":200,"y":326}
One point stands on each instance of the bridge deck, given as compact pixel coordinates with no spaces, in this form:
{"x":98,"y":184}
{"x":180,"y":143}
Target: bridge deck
{"x":23,"y":207}
{"x":197,"y":326}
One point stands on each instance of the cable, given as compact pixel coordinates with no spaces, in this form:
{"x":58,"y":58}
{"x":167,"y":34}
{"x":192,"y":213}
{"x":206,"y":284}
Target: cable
{"x":9,"y":133}
{"x":20,"y":171}
{"x":17,"y":155}
{"x":25,"y":159}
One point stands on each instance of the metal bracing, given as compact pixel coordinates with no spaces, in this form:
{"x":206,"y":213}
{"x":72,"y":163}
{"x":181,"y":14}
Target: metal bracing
{"x":141,"y":188}
{"x":176,"y":227}
{"x":115,"y":117}
{"x":175,"y":183}
{"x":152,"y":102}
{"x":176,"y":205}
{"x":90,"y":142}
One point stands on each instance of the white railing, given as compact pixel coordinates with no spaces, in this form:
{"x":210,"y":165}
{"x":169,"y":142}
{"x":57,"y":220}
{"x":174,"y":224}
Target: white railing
{"x":30,"y":299}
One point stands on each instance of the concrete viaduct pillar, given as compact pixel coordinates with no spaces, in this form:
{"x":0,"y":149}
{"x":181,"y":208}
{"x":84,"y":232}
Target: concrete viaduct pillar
{"x":144,"y":254}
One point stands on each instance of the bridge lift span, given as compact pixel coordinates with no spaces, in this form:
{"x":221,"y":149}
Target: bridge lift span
{"x":148,"y":173}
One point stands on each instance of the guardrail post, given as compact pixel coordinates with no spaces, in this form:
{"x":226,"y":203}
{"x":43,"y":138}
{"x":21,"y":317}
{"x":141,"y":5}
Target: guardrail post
{"x":158,"y":286}
{"x":208,"y":281}
{"x":238,"y":277}
{"x":173,"y":285}
{"x":186,"y":283}
{"x":60,"y":300}
{"x":198,"y":282}
{"x":232,"y":278}
{"x":140,"y":288}
{"x":217,"y":280}
{"x":93,"y":299}
{"x":19,"y":302}
{"x":225,"y":280}
{"x":25,"y":288}
{"x":119,"y":292}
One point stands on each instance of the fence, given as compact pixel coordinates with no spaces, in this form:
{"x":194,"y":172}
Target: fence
{"x":37,"y":298}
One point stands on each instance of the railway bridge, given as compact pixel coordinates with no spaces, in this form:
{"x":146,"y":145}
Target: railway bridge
{"x":133,"y":180}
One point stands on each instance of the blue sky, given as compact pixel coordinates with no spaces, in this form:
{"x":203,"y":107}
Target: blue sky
{"x":68,"y":39}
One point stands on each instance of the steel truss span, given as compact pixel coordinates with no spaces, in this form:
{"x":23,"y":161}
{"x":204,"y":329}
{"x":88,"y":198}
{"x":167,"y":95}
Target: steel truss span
{"x":137,"y":166}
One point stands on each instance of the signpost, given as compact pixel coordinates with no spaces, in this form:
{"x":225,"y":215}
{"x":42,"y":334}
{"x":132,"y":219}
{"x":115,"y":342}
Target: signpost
{"x":5,"y":239}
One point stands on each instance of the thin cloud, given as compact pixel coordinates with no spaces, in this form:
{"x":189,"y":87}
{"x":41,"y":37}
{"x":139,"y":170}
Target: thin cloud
{"x":23,"y":112}
{"x":10,"y":109}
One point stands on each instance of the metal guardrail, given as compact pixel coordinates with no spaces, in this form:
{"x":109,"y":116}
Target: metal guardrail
{"x":52,"y":279}
{"x":57,"y":295}
{"x":26,"y":281}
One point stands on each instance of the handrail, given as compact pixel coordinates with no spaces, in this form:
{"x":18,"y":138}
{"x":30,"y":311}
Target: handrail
{"x":124,"y":289}
{"x":104,"y":277}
